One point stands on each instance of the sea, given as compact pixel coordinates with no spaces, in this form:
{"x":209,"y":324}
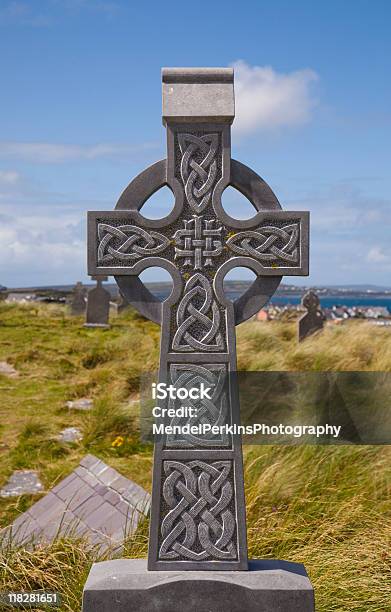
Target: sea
{"x":329,"y":301}
{"x":325,"y":301}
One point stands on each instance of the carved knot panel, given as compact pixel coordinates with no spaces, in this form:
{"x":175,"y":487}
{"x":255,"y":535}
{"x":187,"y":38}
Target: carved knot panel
{"x":128,"y":243}
{"x":198,"y":318}
{"x":198,"y":242}
{"x":200,"y":524}
{"x":268,"y":244}
{"x":198,"y":168}
{"x":213,"y":411}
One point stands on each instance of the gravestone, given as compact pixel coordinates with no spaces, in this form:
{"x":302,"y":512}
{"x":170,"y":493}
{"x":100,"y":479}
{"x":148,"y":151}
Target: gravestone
{"x":78,"y":303}
{"x":198,"y":526}
{"x":313,"y":320}
{"x":94,"y":502}
{"x":98,"y":305}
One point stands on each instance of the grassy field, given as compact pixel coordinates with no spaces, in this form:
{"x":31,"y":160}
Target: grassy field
{"x":328,"y":507}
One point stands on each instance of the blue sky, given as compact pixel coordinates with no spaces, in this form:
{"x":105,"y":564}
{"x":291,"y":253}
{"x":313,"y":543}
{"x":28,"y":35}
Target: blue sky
{"x":81,"y":116}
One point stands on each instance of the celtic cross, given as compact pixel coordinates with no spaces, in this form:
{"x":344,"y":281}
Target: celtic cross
{"x":198,"y":508}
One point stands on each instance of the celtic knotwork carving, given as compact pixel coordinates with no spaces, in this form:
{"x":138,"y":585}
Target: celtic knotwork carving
{"x":268,"y":244}
{"x":200,"y":524}
{"x":198,"y":318}
{"x":128,"y":243}
{"x":213,"y":411}
{"x":198,"y":167}
{"x":195,"y":242}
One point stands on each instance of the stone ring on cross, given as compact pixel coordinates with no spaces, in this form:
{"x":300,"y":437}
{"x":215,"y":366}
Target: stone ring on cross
{"x":198,"y":510}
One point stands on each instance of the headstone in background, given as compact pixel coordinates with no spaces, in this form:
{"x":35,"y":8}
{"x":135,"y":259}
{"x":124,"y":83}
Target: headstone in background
{"x":98,"y":305}
{"x":313,"y":320}
{"x":198,"y":510}
{"x":94,"y":501}
{"x":83,"y":403}
{"x":78,"y":302}
{"x":22,"y":482}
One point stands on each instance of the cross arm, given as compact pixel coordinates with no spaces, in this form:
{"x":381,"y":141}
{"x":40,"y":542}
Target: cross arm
{"x":272,"y":243}
{"x":123,"y":242}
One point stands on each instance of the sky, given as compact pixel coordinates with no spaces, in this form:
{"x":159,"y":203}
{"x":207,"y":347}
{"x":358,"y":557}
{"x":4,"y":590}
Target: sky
{"x":80,"y":116}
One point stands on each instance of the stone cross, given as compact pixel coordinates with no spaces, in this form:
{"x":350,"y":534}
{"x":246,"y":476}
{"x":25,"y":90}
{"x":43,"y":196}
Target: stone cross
{"x":78,"y":303}
{"x":98,"y":304}
{"x":198,"y":509}
{"x":313,"y":320}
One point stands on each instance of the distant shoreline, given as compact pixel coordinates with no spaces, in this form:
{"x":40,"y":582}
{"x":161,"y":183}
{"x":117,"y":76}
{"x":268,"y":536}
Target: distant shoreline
{"x":237,"y":287}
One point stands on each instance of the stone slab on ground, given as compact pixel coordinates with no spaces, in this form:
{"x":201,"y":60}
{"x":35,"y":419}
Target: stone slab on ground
{"x":8,"y":370}
{"x":70,"y":434}
{"x":22,"y":482}
{"x":80,"y":404}
{"x":94,"y":501}
{"x":269,"y":586}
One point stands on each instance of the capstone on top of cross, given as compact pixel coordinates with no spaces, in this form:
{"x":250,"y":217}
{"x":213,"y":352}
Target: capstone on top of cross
{"x":193,"y":95}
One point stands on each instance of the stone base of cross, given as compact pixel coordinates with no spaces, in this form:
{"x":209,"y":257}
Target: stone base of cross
{"x":198,"y":522}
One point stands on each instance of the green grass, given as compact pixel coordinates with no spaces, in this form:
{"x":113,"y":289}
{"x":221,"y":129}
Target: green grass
{"x":328,"y":507}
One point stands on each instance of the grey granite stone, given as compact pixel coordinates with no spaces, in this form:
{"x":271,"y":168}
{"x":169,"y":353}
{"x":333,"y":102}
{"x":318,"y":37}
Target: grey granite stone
{"x":78,"y":302}
{"x":63,"y":483}
{"x":89,"y":461}
{"x":89,"y":506}
{"x":83,"y":403}
{"x":98,"y":305}
{"x":82,"y":504}
{"x":122,"y":585}
{"x":112,"y":497}
{"x":22,"y":482}
{"x":108,"y":476}
{"x":70,"y":434}
{"x":43,"y":505}
{"x":198,"y":513}
{"x":101,"y":517}
{"x":197,"y":94}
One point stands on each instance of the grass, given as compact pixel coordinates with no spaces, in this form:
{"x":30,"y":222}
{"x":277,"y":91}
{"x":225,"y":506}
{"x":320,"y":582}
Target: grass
{"x":328,"y":507}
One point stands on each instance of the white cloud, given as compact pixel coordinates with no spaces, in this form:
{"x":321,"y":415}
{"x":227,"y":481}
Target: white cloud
{"x":43,"y":152}
{"x":41,"y":247}
{"x":377,"y":255}
{"x":9,"y":177}
{"x":266,"y":99}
